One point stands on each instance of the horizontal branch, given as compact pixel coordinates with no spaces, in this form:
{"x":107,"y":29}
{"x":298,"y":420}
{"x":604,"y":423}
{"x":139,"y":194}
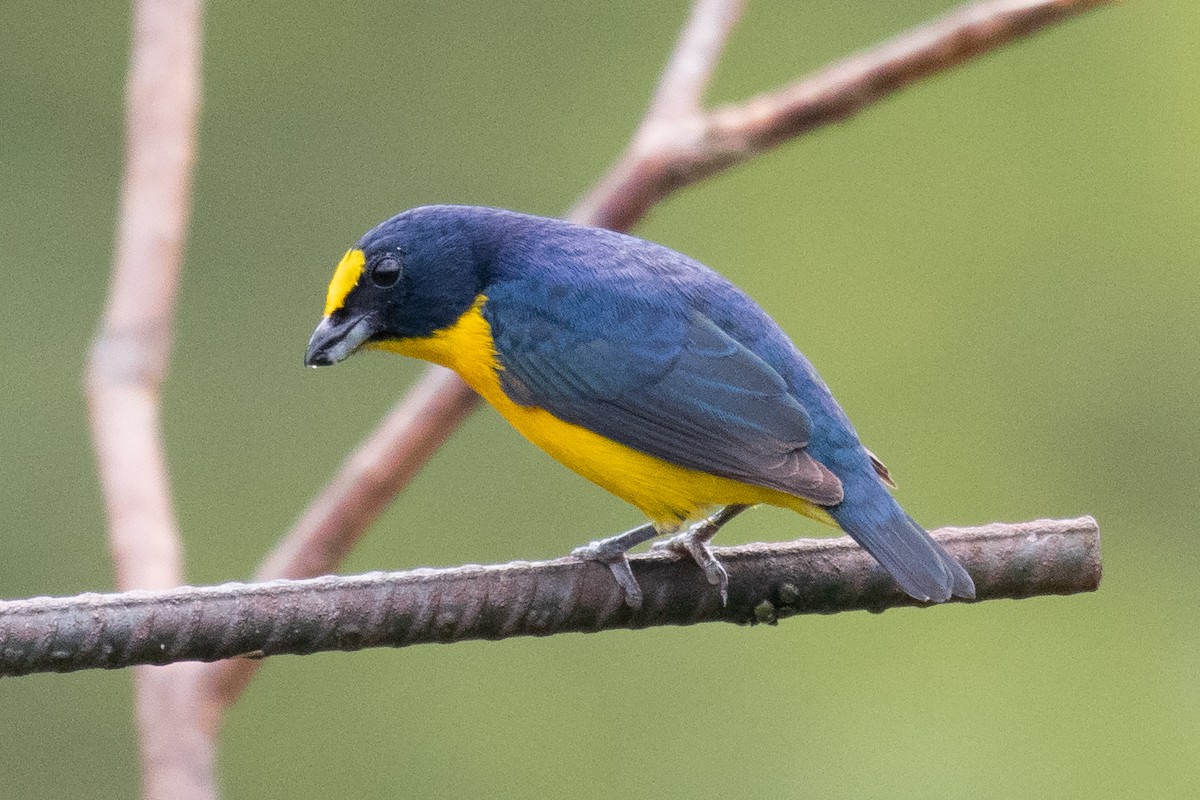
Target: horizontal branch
{"x":767,"y":582}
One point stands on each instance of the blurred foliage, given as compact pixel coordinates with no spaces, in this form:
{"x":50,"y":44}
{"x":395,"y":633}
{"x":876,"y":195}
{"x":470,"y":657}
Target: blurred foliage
{"x":994,"y":270}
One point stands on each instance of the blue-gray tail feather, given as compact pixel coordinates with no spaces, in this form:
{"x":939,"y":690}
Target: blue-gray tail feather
{"x":920,"y":565}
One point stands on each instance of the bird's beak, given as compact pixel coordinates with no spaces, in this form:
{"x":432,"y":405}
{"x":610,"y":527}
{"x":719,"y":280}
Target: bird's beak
{"x":333,"y":341}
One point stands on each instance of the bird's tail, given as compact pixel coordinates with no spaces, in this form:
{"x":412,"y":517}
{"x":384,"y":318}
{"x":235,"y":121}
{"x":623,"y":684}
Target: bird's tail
{"x":919,"y":564}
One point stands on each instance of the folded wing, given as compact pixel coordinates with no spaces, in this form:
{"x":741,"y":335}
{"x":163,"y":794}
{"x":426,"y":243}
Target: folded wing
{"x":667,"y":382}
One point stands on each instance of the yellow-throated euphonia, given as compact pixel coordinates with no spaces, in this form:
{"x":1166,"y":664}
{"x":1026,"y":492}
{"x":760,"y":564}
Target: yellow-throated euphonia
{"x":634,"y":365}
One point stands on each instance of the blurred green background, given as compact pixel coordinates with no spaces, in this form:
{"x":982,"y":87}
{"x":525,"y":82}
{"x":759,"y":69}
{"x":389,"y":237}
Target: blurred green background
{"x":995,"y":271}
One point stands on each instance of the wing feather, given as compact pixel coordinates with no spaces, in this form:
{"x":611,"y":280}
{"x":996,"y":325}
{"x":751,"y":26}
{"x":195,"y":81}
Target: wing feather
{"x":673,"y":385}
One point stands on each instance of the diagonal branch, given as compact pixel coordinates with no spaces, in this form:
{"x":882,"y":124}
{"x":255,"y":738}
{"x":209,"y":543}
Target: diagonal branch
{"x":769,"y":582}
{"x":128,"y":362}
{"x":366,"y":482}
{"x":371,"y":477}
{"x":676,"y":153}
{"x":680,"y":148}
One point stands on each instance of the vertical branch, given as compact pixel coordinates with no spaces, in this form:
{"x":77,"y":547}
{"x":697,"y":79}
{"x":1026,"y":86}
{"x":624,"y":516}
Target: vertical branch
{"x":128,"y":362}
{"x":697,"y":51}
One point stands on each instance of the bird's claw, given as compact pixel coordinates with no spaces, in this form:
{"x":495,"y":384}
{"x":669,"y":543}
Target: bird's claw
{"x":618,"y":564}
{"x":694,"y":542}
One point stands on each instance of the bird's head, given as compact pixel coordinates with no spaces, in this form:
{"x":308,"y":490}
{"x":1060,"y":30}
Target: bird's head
{"x":406,"y":278}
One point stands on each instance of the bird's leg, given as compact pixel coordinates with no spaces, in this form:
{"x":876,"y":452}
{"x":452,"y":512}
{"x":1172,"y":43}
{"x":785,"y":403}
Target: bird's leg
{"x":611,"y":551}
{"x":694,"y":542}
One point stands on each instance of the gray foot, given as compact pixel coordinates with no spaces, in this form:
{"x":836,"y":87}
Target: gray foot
{"x":694,"y":542}
{"x":611,"y":553}
{"x":696,"y":545}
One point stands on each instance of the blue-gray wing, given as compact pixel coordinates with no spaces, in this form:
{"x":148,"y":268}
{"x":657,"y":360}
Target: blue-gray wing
{"x":665,"y":381}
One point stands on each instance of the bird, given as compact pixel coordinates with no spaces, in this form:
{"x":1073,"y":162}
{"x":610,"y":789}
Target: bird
{"x":637,"y":367}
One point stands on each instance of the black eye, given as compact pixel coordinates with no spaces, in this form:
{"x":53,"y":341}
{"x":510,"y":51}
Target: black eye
{"x":386,"y":272}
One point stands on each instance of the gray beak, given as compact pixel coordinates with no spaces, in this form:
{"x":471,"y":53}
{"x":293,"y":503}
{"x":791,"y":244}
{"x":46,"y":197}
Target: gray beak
{"x":333,"y":341}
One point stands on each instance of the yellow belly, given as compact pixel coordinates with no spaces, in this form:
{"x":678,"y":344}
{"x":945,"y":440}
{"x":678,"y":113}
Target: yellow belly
{"x":665,"y":492}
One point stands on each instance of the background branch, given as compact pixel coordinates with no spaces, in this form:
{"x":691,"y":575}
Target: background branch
{"x":697,"y":53}
{"x":767,"y":581}
{"x":673,"y":152}
{"x":370,"y":477}
{"x":129,"y":359}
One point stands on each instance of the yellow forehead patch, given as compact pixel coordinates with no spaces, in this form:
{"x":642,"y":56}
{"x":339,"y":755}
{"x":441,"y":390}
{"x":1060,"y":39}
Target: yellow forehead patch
{"x":344,"y":278}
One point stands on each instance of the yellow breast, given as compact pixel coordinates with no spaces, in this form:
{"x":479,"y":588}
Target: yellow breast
{"x":665,"y":492}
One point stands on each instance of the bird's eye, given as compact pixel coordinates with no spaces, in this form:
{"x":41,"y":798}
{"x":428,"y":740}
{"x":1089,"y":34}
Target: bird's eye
{"x":386,"y":272}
